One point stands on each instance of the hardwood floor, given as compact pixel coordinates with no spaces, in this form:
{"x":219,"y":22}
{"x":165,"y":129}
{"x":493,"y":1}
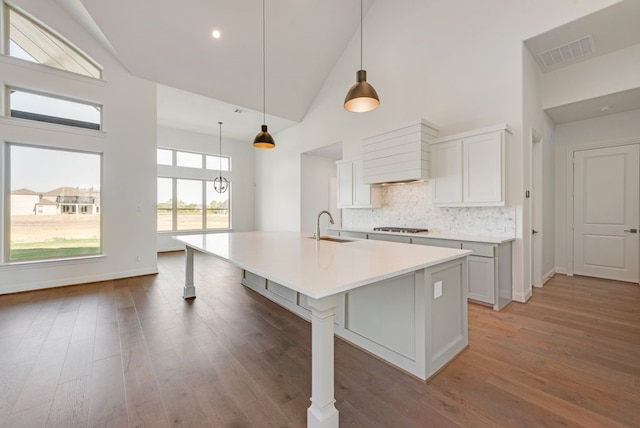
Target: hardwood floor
{"x":132,"y":352}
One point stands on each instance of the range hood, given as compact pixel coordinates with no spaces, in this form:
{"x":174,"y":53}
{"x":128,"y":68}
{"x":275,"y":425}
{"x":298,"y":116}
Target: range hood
{"x":399,"y":155}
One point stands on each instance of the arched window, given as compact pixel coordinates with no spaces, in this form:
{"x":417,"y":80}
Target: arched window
{"x":31,"y":41}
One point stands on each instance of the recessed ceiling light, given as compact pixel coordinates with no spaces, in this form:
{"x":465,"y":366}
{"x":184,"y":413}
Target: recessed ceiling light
{"x":605,"y":108}
{"x":239,"y":111}
{"x":216,"y":34}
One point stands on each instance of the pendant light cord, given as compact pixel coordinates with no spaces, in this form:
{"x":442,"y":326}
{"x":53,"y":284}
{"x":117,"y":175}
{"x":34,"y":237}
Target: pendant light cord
{"x":360,"y":34}
{"x":264,"y":69}
{"x":220,"y":152}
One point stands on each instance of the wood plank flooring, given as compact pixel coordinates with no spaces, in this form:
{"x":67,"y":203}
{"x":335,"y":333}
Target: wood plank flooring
{"x":133,"y":353}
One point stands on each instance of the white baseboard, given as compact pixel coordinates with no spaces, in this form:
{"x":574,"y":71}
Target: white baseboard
{"x":547,"y":276}
{"x":521,"y":297}
{"x":561,"y":270}
{"x":62,"y":282}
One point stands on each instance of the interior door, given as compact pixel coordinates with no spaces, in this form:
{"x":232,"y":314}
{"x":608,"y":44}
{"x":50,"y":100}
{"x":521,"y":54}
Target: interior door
{"x":606,"y":218}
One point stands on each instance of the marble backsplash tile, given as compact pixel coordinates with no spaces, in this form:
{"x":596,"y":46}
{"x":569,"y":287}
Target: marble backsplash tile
{"x":408,"y":205}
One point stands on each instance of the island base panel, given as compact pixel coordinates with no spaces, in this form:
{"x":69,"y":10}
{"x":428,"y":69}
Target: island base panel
{"x":399,"y":320}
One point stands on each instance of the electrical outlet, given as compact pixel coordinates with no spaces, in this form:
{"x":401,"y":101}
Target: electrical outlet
{"x":437,"y":289}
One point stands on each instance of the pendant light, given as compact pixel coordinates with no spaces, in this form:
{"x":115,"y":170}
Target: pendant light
{"x":361,"y":96}
{"x":264,"y":140}
{"x":220,"y":184}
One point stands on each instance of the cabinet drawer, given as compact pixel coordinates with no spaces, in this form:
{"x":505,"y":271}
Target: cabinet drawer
{"x":482,"y":250}
{"x":436,"y":242}
{"x":284,"y":292}
{"x":347,"y":234}
{"x":390,"y":238}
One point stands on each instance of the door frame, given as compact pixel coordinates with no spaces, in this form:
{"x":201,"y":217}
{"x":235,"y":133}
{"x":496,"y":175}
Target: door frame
{"x":535,"y":210}
{"x":570,"y":151}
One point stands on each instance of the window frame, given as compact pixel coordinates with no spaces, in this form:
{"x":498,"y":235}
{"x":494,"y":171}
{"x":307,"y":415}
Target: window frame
{"x":5,"y":229}
{"x":67,"y":123}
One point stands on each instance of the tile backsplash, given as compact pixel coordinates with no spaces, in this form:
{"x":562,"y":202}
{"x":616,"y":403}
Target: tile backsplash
{"x":408,"y":205}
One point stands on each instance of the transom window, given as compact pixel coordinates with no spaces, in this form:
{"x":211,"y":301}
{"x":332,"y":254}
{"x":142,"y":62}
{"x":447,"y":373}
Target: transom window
{"x":50,"y":109}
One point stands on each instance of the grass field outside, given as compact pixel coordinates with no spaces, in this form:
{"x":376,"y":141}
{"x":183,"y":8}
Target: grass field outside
{"x":54,"y":236}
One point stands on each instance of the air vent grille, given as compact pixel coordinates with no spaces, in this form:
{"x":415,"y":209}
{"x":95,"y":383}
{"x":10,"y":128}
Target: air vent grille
{"x":567,"y":52}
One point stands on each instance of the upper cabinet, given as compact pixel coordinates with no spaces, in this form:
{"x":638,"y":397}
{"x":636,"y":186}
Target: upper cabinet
{"x":398,"y":155}
{"x":352,"y":192}
{"x":468,"y":169}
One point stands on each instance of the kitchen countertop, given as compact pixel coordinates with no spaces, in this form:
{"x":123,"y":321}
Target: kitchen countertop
{"x":435,"y":235}
{"x":318,"y":269}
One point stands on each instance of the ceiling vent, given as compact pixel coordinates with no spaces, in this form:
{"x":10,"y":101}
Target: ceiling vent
{"x":567,"y":52}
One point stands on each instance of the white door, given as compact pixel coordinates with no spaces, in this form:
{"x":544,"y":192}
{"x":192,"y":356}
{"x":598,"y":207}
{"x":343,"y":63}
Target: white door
{"x":606,"y":218}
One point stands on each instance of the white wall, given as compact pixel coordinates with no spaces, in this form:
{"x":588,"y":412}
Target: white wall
{"x":127,"y":144}
{"x":457,"y":64}
{"x":315,"y":191}
{"x":584,"y":133}
{"x":603,"y":75}
{"x":241,"y":175}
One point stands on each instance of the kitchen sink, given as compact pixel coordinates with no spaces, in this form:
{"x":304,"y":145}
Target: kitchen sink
{"x":331,"y":239}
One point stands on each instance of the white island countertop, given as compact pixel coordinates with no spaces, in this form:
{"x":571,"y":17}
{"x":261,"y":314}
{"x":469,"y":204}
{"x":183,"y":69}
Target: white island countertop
{"x":318,"y":269}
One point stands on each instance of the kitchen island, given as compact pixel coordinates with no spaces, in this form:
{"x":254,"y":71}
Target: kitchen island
{"x":403,"y":303}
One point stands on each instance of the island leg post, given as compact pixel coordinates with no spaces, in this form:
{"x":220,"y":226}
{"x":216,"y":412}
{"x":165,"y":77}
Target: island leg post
{"x":322,"y":413}
{"x":189,"y":291}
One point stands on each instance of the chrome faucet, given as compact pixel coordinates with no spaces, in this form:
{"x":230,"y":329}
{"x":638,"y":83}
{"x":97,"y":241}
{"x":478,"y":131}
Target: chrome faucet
{"x":317,"y":234}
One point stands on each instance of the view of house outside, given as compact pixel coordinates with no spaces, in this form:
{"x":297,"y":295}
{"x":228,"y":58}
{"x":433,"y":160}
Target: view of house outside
{"x":54,"y":203}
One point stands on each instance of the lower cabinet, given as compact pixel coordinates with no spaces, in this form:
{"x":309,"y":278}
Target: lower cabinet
{"x":490,"y":278}
{"x":481,"y":279}
{"x":489,"y":269}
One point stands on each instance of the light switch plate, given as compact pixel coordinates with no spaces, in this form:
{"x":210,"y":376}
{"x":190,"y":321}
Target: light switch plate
{"x":437,"y":289}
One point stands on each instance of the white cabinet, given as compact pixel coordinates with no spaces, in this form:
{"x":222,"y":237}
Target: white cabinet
{"x":469,"y":169}
{"x":489,"y":273}
{"x":481,"y":279}
{"x":489,"y":269}
{"x":352,"y":192}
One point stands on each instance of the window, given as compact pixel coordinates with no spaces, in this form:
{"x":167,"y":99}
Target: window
{"x":54,"y":204}
{"x":33,"y":42}
{"x":186,"y":198}
{"x":46,"y":108}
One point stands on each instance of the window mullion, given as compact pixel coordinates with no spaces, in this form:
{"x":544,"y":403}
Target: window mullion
{"x":204,"y":205}
{"x":174,"y":204}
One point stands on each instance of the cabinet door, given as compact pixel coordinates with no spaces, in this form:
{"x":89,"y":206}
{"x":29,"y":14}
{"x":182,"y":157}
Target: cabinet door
{"x":483,"y":169}
{"x":481,"y":279}
{"x":361,"y":192}
{"x":446,"y":172}
{"x":345,"y":184}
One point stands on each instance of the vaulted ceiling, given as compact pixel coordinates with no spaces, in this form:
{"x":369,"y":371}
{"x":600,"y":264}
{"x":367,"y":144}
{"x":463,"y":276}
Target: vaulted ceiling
{"x":170,"y":43}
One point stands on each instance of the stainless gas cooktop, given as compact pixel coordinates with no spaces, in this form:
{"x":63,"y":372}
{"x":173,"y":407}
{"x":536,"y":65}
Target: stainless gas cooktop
{"x":399,"y":229}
